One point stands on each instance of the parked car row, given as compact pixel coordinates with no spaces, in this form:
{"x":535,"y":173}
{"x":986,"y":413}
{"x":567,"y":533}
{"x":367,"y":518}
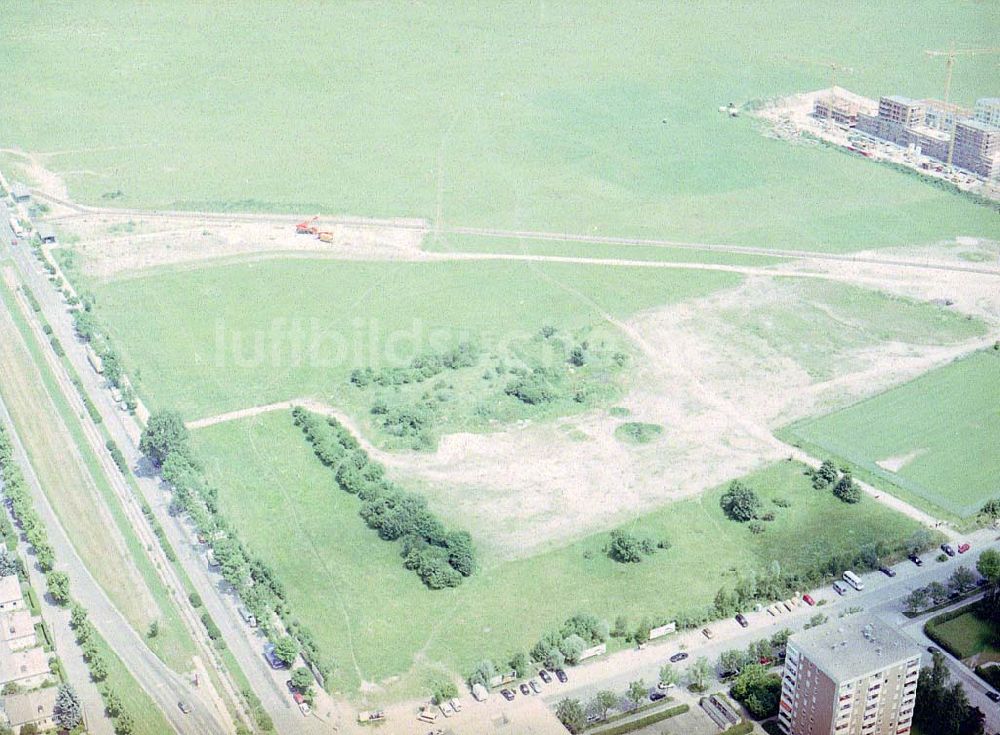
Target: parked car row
{"x":532,"y":686}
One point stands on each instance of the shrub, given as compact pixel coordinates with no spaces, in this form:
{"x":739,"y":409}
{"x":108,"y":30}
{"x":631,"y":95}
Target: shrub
{"x":740,"y":502}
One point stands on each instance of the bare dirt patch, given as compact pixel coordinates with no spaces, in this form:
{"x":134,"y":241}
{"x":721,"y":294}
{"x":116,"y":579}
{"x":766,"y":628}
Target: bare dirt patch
{"x":116,"y":246}
{"x":895,"y":464}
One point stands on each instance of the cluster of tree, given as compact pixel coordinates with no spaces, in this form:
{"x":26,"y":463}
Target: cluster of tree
{"x":86,"y":637}
{"x":10,"y":565}
{"x":22,"y":508}
{"x":628,"y":548}
{"x":989,"y":566}
{"x":554,"y":650}
{"x":777,"y":584}
{"x":840,"y":482}
{"x":734,"y":661}
{"x":421,"y":368}
{"x":89,"y":330}
{"x":440,"y":557}
{"x":935,"y":593}
{"x":943,"y":709}
{"x":165,"y":443}
{"x":404,"y":420}
{"x":535,"y":387}
{"x":991,"y":508}
{"x":564,"y":646}
{"x":757,"y":689}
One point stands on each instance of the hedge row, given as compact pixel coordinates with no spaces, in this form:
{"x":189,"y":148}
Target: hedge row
{"x":256,"y":584}
{"x":22,"y":508}
{"x":441,"y":558}
{"x":92,"y":411}
{"x":647,"y":721}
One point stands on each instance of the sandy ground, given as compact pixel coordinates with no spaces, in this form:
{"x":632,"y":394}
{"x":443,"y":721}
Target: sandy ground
{"x":895,"y":464}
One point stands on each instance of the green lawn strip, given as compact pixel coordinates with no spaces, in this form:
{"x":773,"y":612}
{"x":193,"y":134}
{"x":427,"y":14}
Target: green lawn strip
{"x":454,"y":243}
{"x":879,"y":481}
{"x":964,"y":633}
{"x":646,"y":721}
{"x":944,"y":421}
{"x":149,"y":720}
{"x":173,"y":644}
{"x":328,"y":558}
{"x":323,"y":318}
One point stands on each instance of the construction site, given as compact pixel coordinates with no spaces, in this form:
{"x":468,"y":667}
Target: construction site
{"x":935,"y":137}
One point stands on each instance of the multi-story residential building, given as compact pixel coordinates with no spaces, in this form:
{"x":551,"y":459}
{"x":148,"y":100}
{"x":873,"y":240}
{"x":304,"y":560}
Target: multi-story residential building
{"x":895,"y":114}
{"x":977,"y":148}
{"x":988,"y":111}
{"x":855,"y":676}
{"x":943,"y":115}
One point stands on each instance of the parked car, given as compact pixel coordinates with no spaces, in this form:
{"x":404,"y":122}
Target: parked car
{"x":664,"y":686}
{"x":184,"y":707}
{"x":839,"y":587}
{"x":288,"y":683}
{"x":887,"y":571}
{"x":678,"y":657}
{"x":303,"y":704}
{"x":655,"y":696}
{"x":742,"y":620}
{"x":272,"y":660}
{"x":916,"y":560}
{"x":525,"y":690}
{"x":707,"y":633}
{"x":535,"y":686}
{"x":546,"y":676}
{"x":933,"y":649}
{"x":561,"y":676}
{"x":808,"y":599}
{"x":507,"y":694}
{"x":993,"y":695}
{"x":962,"y":548}
{"x":947,"y":548}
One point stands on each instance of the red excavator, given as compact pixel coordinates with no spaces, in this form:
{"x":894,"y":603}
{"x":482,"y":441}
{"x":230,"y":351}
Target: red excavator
{"x":307,"y":227}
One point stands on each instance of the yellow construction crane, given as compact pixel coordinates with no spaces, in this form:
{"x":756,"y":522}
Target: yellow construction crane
{"x":950,"y":55}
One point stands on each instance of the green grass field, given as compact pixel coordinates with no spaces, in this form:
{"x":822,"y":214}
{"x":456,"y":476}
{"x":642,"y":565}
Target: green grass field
{"x":947,"y":423}
{"x":576,"y":118}
{"x":286,"y":507}
{"x":969,"y":634}
{"x":282,"y":329}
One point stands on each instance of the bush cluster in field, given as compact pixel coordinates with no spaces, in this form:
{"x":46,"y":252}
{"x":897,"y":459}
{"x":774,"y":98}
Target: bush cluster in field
{"x":441,"y":558}
{"x":546,"y":374}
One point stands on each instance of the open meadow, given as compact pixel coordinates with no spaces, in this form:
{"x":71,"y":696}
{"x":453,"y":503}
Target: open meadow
{"x":581,"y":117}
{"x":284,"y":329}
{"x":288,"y":509}
{"x":934,"y":438}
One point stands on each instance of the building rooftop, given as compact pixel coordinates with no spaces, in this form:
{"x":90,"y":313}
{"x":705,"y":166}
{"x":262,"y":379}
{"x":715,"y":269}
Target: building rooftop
{"x":930,"y":132}
{"x":10,"y":589}
{"x":899,"y":99}
{"x":978,"y":125}
{"x":19,"y":190}
{"x":854,"y":646}
{"x":30,"y":706}
{"x":988,"y":101}
{"x":16,"y":624}
{"x":18,"y":665}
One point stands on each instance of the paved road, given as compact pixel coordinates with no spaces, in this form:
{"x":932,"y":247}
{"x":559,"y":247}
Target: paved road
{"x":163,"y":685}
{"x":244,"y":643}
{"x":882,"y":596}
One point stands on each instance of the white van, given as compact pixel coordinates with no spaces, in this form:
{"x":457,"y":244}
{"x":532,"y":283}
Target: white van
{"x":852,"y":579}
